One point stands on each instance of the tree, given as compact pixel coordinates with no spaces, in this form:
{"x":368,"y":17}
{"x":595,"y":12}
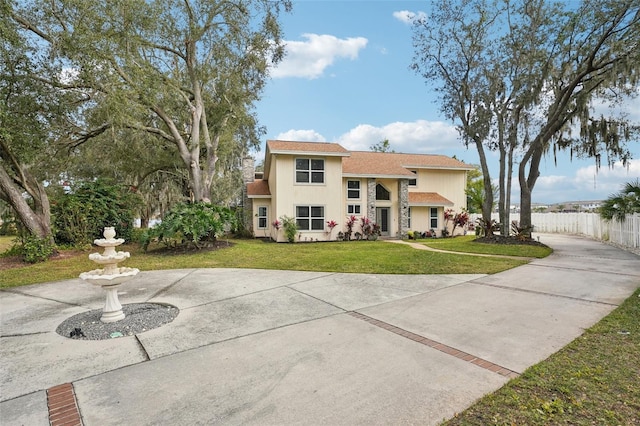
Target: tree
{"x":451,"y":55}
{"x":475,"y":191}
{"x":382,"y":146}
{"x":596,"y":56}
{"x":519,"y":74}
{"x":625,"y":202}
{"x":187,"y":72}
{"x":32,"y":114}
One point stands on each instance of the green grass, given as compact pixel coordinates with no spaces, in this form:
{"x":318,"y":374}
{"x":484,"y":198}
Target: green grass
{"x":467,"y":245}
{"x":595,"y":380}
{"x":5,"y":243}
{"x":357,"y":256}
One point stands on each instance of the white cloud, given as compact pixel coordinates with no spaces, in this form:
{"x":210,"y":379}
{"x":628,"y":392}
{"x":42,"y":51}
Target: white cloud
{"x":310,"y":58}
{"x":630,"y":108}
{"x":607,"y":180}
{"x":301,"y":136}
{"x":419,"y":136}
{"x":408,"y":17}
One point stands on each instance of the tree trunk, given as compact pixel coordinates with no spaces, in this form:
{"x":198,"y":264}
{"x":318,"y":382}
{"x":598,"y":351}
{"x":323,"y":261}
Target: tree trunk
{"x":527,"y":183}
{"x":487,"y":203}
{"x":36,"y":220}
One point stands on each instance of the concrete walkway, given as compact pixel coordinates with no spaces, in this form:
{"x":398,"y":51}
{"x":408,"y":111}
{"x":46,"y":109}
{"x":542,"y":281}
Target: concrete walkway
{"x":285,"y":347}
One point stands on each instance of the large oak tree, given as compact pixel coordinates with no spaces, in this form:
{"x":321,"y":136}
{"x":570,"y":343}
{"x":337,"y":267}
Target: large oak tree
{"x":518,"y":76}
{"x":186,"y":71}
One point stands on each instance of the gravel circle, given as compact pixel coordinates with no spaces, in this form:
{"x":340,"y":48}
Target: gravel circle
{"x":139,"y":317}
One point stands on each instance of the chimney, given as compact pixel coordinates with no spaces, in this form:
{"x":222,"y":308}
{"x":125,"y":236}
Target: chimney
{"x":248,"y":170}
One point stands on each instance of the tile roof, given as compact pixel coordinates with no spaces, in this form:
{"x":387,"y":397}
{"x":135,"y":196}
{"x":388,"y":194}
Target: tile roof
{"x":316,"y":147}
{"x":428,"y":199}
{"x":396,"y":164}
{"x":258,"y":189}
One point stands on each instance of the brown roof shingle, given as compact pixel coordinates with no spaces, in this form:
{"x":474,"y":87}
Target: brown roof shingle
{"x":396,"y":164}
{"x":428,"y":199}
{"x":258,"y":188}
{"x":315,"y":147}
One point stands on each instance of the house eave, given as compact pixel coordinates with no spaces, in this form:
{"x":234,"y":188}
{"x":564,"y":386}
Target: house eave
{"x":378,"y":176}
{"x":311,"y":153}
{"x":430,"y":204}
{"x":423,"y":167}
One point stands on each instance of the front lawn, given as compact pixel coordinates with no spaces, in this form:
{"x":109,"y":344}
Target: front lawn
{"x":375,"y":257}
{"x":467,"y":244}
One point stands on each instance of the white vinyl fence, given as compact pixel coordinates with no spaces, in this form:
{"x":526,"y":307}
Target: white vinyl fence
{"x":624,"y":233}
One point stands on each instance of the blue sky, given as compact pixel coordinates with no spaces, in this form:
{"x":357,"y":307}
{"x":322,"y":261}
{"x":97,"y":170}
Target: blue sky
{"x":346,"y":79}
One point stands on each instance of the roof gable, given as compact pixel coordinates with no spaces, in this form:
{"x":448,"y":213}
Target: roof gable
{"x":301,"y":148}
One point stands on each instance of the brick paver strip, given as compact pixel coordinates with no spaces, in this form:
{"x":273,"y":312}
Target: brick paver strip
{"x":63,"y":407}
{"x":457,"y":353}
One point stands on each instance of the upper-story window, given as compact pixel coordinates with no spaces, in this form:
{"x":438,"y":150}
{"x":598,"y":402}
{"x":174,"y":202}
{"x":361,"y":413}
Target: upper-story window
{"x":414,"y":182}
{"x":309,"y":170}
{"x":382,"y":193}
{"x":353,"y":189}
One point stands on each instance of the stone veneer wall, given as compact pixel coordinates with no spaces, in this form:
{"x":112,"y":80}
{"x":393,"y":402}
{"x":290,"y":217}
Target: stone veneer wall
{"x":248,"y":176}
{"x":371,"y":199}
{"x":403,"y":207}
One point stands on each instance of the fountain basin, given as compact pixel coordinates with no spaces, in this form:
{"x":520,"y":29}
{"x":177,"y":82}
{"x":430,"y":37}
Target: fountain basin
{"x":103,"y":242}
{"x":109,"y":258}
{"x":114,"y":277}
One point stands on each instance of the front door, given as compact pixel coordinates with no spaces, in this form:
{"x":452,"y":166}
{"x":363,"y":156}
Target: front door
{"x":382,"y":219}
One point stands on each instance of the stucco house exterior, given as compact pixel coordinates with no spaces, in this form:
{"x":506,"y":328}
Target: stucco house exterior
{"x":316,"y":182}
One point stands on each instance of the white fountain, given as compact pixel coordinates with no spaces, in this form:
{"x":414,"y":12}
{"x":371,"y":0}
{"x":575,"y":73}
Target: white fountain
{"x":111,"y":276}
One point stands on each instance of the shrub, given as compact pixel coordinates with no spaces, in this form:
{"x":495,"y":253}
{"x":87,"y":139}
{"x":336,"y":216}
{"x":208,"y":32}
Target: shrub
{"x":290,"y":227}
{"x":370,"y":230}
{"x":191,"y":223}
{"x":80,"y":216}
{"x":33,"y":249}
{"x":458,"y":220}
{"x":521,"y":233}
{"x":351,"y":221}
{"x":487,"y":228}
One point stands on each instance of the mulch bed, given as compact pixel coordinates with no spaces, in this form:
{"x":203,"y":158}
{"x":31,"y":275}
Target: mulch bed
{"x":499,"y":239}
{"x":191,"y":248}
{"x":10,"y":262}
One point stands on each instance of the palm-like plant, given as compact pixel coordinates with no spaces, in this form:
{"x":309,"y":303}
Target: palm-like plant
{"x":625,"y":202}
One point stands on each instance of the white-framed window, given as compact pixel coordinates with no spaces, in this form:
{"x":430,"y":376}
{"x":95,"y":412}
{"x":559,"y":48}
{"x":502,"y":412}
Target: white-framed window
{"x":409,"y":218}
{"x":310,"y":218}
{"x":414,"y":182}
{"x":353,"y":189}
{"x":262,"y":217}
{"x":309,"y":170}
{"x":354,"y":209}
{"x":433,"y":218}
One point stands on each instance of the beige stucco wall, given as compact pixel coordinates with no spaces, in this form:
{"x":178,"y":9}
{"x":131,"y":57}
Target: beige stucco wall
{"x":332,"y":194}
{"x":363,"y":201}
{"x":286,"y":193}
{"x":448,"y":183}
{"x":420,"y":219}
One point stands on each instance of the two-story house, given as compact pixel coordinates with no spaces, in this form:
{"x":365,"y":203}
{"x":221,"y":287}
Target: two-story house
{"x":316,"y":182}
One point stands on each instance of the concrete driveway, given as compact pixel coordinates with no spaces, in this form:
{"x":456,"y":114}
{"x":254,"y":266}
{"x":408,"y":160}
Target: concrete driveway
{"x":286,"y":347}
